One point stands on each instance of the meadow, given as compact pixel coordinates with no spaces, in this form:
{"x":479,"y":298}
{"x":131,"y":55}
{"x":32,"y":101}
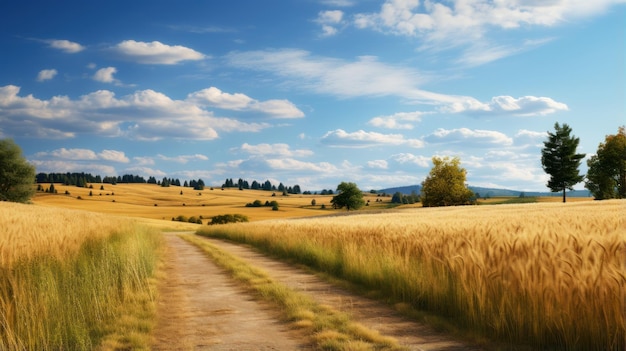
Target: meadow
{"x":546,"y":275}
{"x":75,"y":280}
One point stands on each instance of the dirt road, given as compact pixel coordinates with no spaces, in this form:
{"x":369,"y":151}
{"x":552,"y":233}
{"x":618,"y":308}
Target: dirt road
{"x":201,"y":308}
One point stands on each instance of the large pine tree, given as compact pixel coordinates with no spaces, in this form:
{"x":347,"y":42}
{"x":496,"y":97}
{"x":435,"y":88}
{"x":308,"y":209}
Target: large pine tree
{"x":560,"y":160}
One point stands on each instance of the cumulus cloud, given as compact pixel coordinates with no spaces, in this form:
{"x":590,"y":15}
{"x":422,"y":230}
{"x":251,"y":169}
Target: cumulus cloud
{"x":329,"y":20}
{"x":279,"y":149}
{"x":78,"y":154}
{"x":184,"y":159}
{"x":363,"y":139}
{"x":65,"y":46}
{"x":400,"y":120}
{"x":105,"y":75}
{"x":437,"y":24}
{"x":144,"y":115}
{"x":214,"y":97}
{"x":377,"y":164}
{"x":507,"y":105}
{"x":411,"y":159}
{"x":46,"y":74}
{"x":469,"y":137}
{"x":156,"y":52}
{"x":113,"y":156}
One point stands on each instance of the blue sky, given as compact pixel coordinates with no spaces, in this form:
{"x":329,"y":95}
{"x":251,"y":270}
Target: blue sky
{"x":309,"y":92}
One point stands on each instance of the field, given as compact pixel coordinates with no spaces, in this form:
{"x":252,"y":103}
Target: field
{"x":155,"y":202}
{"x":548,"y":275}
{"x":74,"y":280}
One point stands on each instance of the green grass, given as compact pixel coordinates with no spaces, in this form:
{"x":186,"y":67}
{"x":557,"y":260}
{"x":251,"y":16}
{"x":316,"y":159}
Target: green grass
{"x":102,"y":296}
{"x":329,"y":329}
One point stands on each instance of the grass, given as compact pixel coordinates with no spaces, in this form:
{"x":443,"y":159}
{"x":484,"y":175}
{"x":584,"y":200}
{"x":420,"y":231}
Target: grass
{"x":547,"y":275}
{"x":75,"y":280}
{"x":329,"y":329}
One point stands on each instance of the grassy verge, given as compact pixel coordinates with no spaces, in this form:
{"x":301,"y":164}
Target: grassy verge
{"x":330,"y":329}
{"x":99,"y":296}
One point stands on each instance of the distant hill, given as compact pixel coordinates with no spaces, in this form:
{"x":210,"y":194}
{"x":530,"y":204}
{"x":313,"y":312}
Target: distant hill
{"x":489,"y":192}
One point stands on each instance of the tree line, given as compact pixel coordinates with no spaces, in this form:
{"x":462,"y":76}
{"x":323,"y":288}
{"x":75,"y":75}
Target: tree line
{"x":444,"y":185}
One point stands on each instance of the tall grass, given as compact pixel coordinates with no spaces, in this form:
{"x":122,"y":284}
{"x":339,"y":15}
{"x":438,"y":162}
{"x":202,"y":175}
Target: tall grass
{"x":545,"y":275}
{"x":74,"y":280}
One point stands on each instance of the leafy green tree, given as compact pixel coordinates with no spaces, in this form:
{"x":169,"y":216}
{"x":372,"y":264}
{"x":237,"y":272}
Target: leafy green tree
{"x":349,"y":196}
{"x":445,"y":184}
{"x":606,"y":177}
{"x":560,"y":160}
{"x":396,"y":198}
{"x":17,"y":176}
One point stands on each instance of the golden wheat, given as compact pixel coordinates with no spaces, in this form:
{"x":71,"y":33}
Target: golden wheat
{"x":28,"y":231}
{"x":549,"y":274}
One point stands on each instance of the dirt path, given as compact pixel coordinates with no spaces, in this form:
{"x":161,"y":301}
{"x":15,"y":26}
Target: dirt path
{"x":201,"y":308}
{"x":200,"y":295}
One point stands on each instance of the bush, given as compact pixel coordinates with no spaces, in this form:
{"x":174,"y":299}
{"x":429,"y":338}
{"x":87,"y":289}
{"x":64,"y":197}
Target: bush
{"x":256,"y":203}
{"x":228,"y":218}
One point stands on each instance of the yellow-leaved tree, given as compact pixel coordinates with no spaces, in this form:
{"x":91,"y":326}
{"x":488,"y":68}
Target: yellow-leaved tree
{"x":445,"y":184}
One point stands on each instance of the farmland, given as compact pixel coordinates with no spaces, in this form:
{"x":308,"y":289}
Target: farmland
{"x":543,"y":274}
{"x":164,"y":203}
{"x":74,"y":280}
{"x":550,"y":275}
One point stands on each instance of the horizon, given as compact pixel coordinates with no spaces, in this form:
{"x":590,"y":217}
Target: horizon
{"x":311,"y":92}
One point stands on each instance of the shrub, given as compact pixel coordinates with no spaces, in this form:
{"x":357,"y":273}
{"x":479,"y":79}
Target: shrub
{"x":256,"y":203}
{"x":228,"y":218}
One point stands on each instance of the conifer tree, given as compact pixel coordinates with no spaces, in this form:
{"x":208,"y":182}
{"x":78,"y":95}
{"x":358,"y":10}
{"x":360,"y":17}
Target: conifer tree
{"x":560,"y":160}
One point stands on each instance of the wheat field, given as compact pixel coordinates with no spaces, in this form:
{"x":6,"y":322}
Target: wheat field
{"x":156,"y":202}
{"x":74,"y":280}
{"x":548,"y":275}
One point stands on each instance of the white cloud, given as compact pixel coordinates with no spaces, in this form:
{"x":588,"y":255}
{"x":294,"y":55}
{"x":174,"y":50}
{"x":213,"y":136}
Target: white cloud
{"x":156,"y":52}
{"x":530,"y":134}
{"x":469,"y":137}
{"x":363,"y":139}
{"x":84,"y":155}
{"x":400,"y":120}
{"x":66,"y":46}
{"x":326,"y":75}
{"x":46,"y":74}
{"x":366,"y":76}
{"x":437,"y":24}
{"x":70,"y":154}
{"x":408,"y":158}
{"x":377,"y":164}
{"x":113,"y":156}
{"x":183,"y":159}
{"x":507,"y":105}
{"x":143,"y":115}
{"x":240,"y":102}
{"x":105,"y":75}
{"x":282,"y":150}
{"x":49,"y":166}
{"x":338,"y":3}
{"x":329,"y":21}
{"x":330,"y":17}
{"x":143,"y":161}
{"x":292,"y":165}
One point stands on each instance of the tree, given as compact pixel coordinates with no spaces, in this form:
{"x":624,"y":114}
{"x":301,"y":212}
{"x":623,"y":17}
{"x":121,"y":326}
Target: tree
{"x":606,"y":177}
{"x":560,"y":160}
{"x":17,"y":176}
{"x":349,"y":196}
{"x":445,"y":184}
